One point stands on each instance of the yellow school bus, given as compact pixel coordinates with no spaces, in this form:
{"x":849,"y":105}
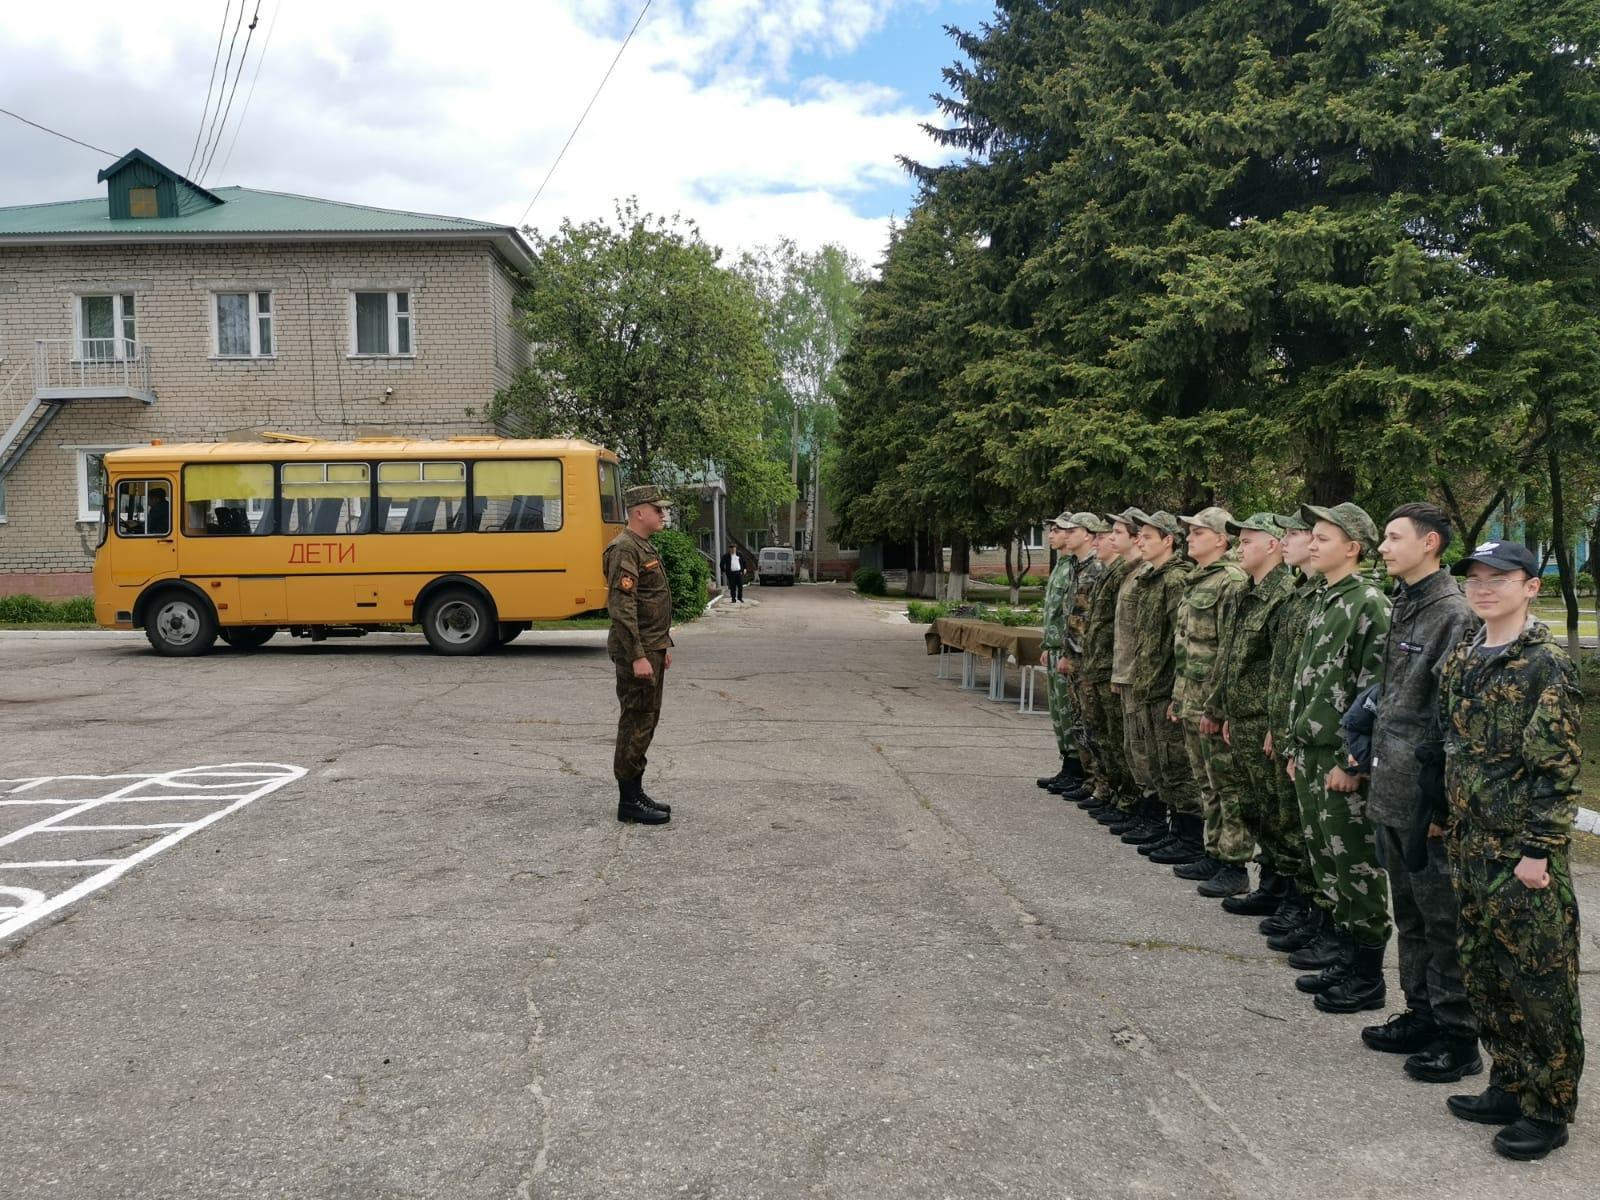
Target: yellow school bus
{"x":471,"y":538}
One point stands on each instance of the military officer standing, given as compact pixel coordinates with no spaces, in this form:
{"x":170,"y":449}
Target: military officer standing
{"x":1240,"y":696}
{"x":1209,"y":596}
{"x":1509,"y":705}
{"x":1068,"y":541}
{"x":1152,"y":827}
{"x":1102,"y":708}
{"x":1342,"y":654}
{"x":1087,"y":568}
{"x":640,"y":603}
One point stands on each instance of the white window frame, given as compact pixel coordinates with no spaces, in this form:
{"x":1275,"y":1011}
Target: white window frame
{"x":395,"y":317}
{"x":119,"y":340}
{"x":256,"y":315}
{"x":86,"y":514}
{"x":1026,"y":542}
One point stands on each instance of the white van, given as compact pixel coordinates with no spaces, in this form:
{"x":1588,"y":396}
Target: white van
{"x":775,"y":565}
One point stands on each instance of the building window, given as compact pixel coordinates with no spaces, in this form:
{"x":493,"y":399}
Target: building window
{"x":142,"y":202}
{"x":106,"y":328}
{"x":91,"y":480}
{"x":757,"y":538}
{"x":241,"y":324}
{"x":1034,"y":538}
{"x":380,"y":323}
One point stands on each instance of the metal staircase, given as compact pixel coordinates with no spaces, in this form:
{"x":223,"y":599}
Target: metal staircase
{"x":31,"y":421}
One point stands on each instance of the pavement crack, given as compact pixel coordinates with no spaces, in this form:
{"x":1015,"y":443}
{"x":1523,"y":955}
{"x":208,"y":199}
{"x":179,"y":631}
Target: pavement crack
{"x":528,"y":1185}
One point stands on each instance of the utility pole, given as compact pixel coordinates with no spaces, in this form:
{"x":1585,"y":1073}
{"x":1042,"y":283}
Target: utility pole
{"x":794,"y":468}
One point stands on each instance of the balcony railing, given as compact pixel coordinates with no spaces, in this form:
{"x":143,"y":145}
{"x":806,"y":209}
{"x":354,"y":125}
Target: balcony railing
{"x":91,"y":368}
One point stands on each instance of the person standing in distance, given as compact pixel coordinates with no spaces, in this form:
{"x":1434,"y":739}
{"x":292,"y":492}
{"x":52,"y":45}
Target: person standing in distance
{"x":733,"y":569}
{"x":1509,"y":705}
{"x":639,"y":600}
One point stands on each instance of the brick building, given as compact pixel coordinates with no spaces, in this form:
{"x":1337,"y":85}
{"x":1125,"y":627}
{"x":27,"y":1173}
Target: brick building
{"x":166,"y":310}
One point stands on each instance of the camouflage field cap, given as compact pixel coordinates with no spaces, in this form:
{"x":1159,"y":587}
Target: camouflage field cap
{"x":1351,"y":518}
{"x":1162,"y":520}
{"x":1131,"y":517}
{"x":1289,"y":522}
{"x":1090,"y":521}
{"x":1261,"y":522}
{"x":646,"y":493}
{"x":1062,"y":521}
{"x":1213,"y":518}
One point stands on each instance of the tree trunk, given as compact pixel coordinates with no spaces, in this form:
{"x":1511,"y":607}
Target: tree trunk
{"x":1329,"y":480}
{"x":960,"y":567}
{"x":794,"y":472}
{"x":1563,"y":552}
{"x":1013,"y":547}
{"x":1594,"y":568}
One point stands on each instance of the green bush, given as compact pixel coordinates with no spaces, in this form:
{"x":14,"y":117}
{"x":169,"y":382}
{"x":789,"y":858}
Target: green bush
{"x":688,"y":572}
{"x":926,"y":612}
{"x":869,"y":581}
{"x":30,"y":610}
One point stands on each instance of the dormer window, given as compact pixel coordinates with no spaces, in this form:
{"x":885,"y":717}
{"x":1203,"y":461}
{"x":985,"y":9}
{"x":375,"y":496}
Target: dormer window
{"x":142,"y":202}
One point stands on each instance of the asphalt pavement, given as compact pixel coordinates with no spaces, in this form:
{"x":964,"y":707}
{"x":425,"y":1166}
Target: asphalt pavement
{"x":868,"y":957}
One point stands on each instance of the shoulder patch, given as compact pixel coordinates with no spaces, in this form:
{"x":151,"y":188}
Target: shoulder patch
{"x":626,"y":583}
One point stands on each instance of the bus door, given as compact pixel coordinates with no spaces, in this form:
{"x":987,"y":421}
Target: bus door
{"x":141,"y":526}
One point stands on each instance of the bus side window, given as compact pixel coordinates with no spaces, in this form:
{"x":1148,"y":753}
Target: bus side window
{"x":144,"y":508}
{"x":518,"y":496}
{"x":227,"y":499}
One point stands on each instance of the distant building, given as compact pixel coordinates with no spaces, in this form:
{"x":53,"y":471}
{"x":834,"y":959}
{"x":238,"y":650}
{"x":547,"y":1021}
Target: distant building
{"x":167,"y":310}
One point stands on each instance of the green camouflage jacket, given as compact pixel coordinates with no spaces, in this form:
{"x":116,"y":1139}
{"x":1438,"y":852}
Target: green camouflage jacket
{"x":1057,"y":588}
{"x":1288,"y":630}
{"x":1086,"y":573}
{"x":1510,"y":723}
{"x":1341,"y":653}
{"x":1100,"y":637}
{"x":1199,"y":632}
{"x":1240,"y":687}
{"x":1159,"y":592}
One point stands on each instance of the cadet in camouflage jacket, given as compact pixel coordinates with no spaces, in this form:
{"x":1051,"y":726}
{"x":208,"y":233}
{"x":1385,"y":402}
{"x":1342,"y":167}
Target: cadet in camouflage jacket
{"x":1102,"y":709}
{"x":1159,"y":591}
{"x":1510,"y":717}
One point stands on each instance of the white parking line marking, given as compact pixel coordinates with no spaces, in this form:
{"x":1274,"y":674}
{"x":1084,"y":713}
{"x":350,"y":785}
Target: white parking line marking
{"x":223,"y":788}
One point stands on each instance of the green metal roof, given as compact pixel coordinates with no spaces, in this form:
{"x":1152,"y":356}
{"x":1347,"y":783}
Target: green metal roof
{"x":247,"y":214}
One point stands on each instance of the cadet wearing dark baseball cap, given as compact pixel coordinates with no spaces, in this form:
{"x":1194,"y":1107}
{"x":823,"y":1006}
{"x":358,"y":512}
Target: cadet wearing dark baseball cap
{"x":1500,"y":556}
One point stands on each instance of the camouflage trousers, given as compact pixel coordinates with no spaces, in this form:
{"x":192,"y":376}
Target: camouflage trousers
{"x":1342,"y":848}
{"x":1102,"y":713}
{"x":1427,"y":918}
{"x":641,"y":709}
{"x":1211,"y":763}
{"x":1519,"y":955}
{"x":1058,"y":691}
{"x":1136,"y":744}
{"x":1168,"y":759}
{"x":1271,"y":811}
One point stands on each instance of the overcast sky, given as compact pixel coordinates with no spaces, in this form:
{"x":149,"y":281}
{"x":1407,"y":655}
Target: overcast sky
{"x":759,"y":118}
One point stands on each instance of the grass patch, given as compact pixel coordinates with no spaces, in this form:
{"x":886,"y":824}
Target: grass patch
{"x":51,"y":625}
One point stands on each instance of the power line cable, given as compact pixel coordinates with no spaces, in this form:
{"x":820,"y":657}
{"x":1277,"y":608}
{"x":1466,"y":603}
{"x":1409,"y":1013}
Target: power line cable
{"x":58,"y":133}
{"x":592,"y":99}
{"x":251,"y":94}
{"x":216,"y":57}
{"x":227,"y":66}
{"x":244,"y":56}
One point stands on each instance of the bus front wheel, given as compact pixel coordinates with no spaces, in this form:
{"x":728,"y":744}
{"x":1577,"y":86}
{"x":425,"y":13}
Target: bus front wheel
{"x":459,"y":621}
{"x":247,"y":637}
{"x":180,"y":625}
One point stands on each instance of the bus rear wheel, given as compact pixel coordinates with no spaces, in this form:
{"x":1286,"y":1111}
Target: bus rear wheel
{"x":247,"y":637}
{"x":458,"y":620}
{"x":179,"y":625}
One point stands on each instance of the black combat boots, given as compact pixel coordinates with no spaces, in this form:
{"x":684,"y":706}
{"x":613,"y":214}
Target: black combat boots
{"x":1230,"y":882}
{"x":1445,"y":1060}
{"x":1495,"y":1106}
{"x":1152,"y":826}
{"x":1263,"y":901}
{"x":1303,"y":934}
{"x":1334,"y":973}
{"x":632,"y":806}
{"x":1050,"y":781}
{"x":1530,"y":1139}
{"x":1322,"y":951}
{"x":1362,"y":988}
{"x":1188,"y":842}
{"x":1290,"y":914}
{"x":1404,"y":1033}
{"x":1203,"y":867}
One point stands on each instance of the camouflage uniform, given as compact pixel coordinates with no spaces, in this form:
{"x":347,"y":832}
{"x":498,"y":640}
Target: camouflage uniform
{"x":1510,"y":717}
{"x":640,"y":604}
{"x":1102,"y":708}
{"x":1158,"y":594}
{"x":1200,"y":628}
{"x":1124,"y":645}
{"x":1283,"y":824}
{"x":1341,"y":654}
{"x":1240,"y":696}
{"x":1057,"y":596}
{"x":1086,"y":573}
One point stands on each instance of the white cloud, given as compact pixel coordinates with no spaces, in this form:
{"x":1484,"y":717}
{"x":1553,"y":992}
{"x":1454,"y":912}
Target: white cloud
{"x":462,"y":110}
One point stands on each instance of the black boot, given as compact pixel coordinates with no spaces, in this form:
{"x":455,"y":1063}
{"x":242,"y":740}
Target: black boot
{"x":1165,"y":825}
{"x":1128,"y":819}
{"x":1362,"y":988}
{"x":1070,"y":779}
{"x":1303,"y":934}
{"x":1290,"y":913}
{"x":1203,"y":867}
{"x":1335,"y":972}
{"x":1188,"y":841}
{"x":1530,"y":1139}
{"x":649,"y":800}
{"x":1151,"y":829}
{"x":1494,"y":1106}
{"x":1231,"y":882}
{"x":1110,"y":813}
{"x":1403,"y":1033}
{"x":1263,"y":901}
{"x":1321,"y":952}
{"x":631,"y":806}
{"x":1446,"y":1060}
{"x":1059,"y":777}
